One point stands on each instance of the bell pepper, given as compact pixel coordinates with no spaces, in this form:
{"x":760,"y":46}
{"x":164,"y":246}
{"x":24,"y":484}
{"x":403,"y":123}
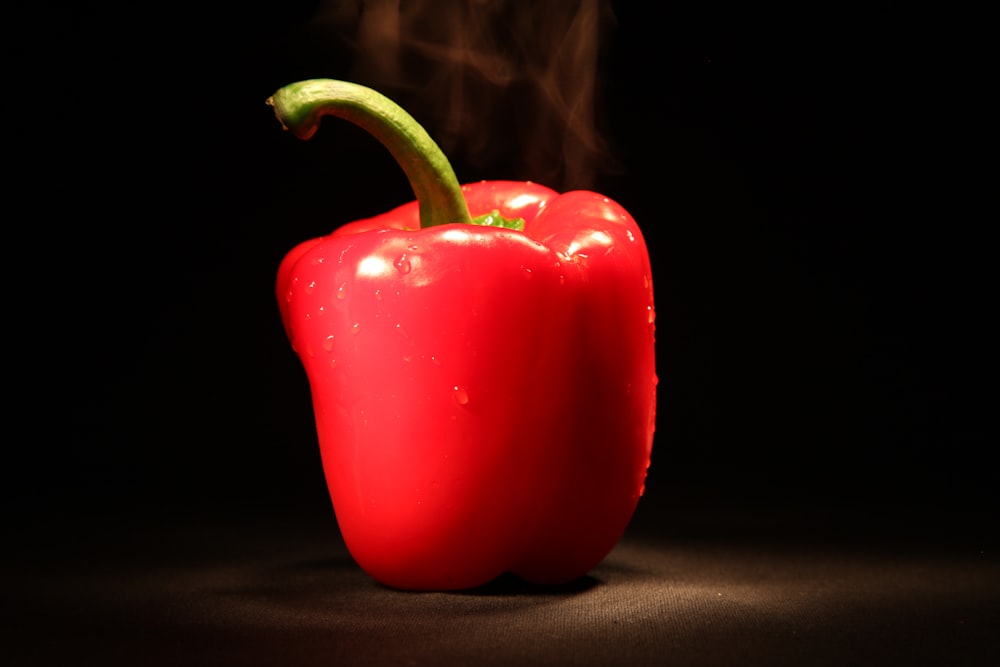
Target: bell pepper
{"x":480,"y":362}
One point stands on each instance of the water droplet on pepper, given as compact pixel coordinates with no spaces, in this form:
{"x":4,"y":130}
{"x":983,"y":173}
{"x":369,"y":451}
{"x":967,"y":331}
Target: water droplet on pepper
{"x":402,"y":264}
{"x":461,"y":396}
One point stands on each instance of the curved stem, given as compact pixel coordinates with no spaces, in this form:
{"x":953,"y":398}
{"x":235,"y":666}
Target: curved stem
{"x":300,"y":107}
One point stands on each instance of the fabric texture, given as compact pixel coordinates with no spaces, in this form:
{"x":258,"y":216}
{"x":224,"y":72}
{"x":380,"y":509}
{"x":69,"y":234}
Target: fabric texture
{"x":281,"y":589}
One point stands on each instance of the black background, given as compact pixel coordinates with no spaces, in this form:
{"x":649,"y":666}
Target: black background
{"x":805,"y":182}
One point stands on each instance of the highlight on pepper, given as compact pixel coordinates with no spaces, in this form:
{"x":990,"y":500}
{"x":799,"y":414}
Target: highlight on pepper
{"x":481,"y":363}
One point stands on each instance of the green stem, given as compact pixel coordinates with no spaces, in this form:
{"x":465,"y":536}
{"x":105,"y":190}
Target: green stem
{"x":300,"y":107}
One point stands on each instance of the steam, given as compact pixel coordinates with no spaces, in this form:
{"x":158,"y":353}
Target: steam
{"x":503,"y":85}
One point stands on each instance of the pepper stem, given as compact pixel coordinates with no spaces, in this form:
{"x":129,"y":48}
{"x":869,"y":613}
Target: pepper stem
{"x":300,"y":107}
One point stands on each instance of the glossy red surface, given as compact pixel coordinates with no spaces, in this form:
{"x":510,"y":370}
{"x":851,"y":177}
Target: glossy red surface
{"x":484,"y":398}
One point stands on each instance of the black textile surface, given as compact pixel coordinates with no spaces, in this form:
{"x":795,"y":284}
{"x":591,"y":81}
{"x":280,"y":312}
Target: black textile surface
{"x":280,"y":589}
{"x":808,"y":181}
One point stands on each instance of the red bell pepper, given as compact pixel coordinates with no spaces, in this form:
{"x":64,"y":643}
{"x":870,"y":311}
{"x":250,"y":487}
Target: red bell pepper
{"x":484,"y":388}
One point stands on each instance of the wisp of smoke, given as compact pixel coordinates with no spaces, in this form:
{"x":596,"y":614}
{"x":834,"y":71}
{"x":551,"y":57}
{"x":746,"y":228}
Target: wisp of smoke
{"x":500,"y":84}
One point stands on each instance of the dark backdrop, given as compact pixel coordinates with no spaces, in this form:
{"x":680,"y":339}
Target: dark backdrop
{"x":810,"y":184}
{"x":804,"y":181}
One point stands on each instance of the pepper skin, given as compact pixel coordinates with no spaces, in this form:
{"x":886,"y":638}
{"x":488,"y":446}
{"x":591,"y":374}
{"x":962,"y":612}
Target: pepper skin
{"x":484,"y":397}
